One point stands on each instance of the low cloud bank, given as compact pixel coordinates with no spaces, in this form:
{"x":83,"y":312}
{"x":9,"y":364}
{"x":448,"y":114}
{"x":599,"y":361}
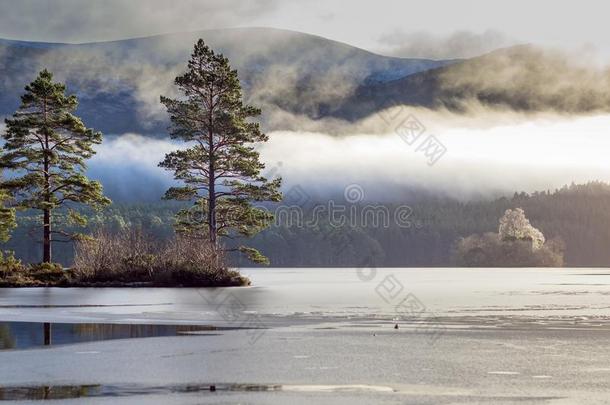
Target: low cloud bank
{"x":482,"y":159}
{"x":127,"y":167}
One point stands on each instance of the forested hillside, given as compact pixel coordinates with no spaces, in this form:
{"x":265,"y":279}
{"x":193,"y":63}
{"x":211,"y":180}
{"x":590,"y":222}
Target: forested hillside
{"x":578,"y":214}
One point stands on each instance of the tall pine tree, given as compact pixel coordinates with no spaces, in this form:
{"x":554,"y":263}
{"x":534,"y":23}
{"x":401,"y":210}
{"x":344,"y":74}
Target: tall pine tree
{"x":46,"y":148}
{"x":221,"y":171}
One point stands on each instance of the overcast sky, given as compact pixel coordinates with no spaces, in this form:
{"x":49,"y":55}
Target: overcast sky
{"x":438,"y":28}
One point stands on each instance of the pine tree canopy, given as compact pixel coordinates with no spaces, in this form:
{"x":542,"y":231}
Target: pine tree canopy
{"x":7,"y":217}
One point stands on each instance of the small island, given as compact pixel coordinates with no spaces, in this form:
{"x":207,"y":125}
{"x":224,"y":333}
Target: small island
{"x":218,"y":171}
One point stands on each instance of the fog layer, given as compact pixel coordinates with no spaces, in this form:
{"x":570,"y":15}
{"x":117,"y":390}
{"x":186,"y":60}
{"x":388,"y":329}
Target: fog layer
{"x":482,"y":159}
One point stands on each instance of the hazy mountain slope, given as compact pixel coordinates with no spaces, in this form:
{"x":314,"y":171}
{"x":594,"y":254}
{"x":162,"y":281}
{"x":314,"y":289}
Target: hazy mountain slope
{"x":521,"y":78}
{"x":119,"y":82}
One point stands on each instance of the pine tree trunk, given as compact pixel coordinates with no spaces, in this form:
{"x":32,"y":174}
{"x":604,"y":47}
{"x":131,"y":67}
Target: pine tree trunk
{"x":46,"y":220}
{"x":46,"y":217}
{"x":212,"y":193}
{"x":46,"y":239}
{"x":212,"y":216}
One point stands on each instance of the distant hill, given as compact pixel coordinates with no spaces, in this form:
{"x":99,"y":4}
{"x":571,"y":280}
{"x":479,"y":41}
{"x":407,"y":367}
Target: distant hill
{"x":119,"y":82}
{"x":520,"y":78}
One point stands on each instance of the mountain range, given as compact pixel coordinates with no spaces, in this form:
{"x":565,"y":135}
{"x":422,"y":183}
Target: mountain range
{"x":119,"y":82}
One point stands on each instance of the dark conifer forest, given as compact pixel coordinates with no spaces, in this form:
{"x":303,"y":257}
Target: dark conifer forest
{"x":577,"y":215}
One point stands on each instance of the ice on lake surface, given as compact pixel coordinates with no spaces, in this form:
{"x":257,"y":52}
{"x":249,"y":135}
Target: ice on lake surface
{"x":430,"y":336}
{"x":279,"y":294}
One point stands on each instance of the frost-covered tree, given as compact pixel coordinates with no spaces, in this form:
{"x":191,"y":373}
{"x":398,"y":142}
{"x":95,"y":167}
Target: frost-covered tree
{"x":515,"y":226}
{"x":517,"y":244}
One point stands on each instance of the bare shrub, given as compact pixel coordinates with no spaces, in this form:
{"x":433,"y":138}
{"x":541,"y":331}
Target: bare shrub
{"x":489,"y":250}
{"x":195,"y":262}
{"x":131,"y":255}
{"x":192,"y":253}
{"x":127,"y":255}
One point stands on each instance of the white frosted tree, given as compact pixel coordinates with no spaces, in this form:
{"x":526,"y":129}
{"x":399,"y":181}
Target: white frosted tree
{"x":515,"y":226}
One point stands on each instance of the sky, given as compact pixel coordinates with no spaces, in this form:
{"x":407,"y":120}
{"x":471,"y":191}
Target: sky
{"x":440,"y":28}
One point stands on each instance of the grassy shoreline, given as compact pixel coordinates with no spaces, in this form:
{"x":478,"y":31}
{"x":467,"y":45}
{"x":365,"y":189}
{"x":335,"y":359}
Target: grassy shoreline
{"x":237,"y":282}
{"x":14,"y":274}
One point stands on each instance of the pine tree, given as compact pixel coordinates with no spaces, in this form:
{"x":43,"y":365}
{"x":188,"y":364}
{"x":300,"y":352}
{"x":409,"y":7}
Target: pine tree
{"x":221,"y":171}
{"x":46,"y":148}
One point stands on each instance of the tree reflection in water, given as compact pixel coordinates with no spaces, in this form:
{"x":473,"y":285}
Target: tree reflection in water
{"x":21,"y":335}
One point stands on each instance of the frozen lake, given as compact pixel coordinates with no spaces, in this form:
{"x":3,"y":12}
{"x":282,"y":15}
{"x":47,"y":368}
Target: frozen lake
{"x":330,"y":293}
{"x":464,"y":336}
